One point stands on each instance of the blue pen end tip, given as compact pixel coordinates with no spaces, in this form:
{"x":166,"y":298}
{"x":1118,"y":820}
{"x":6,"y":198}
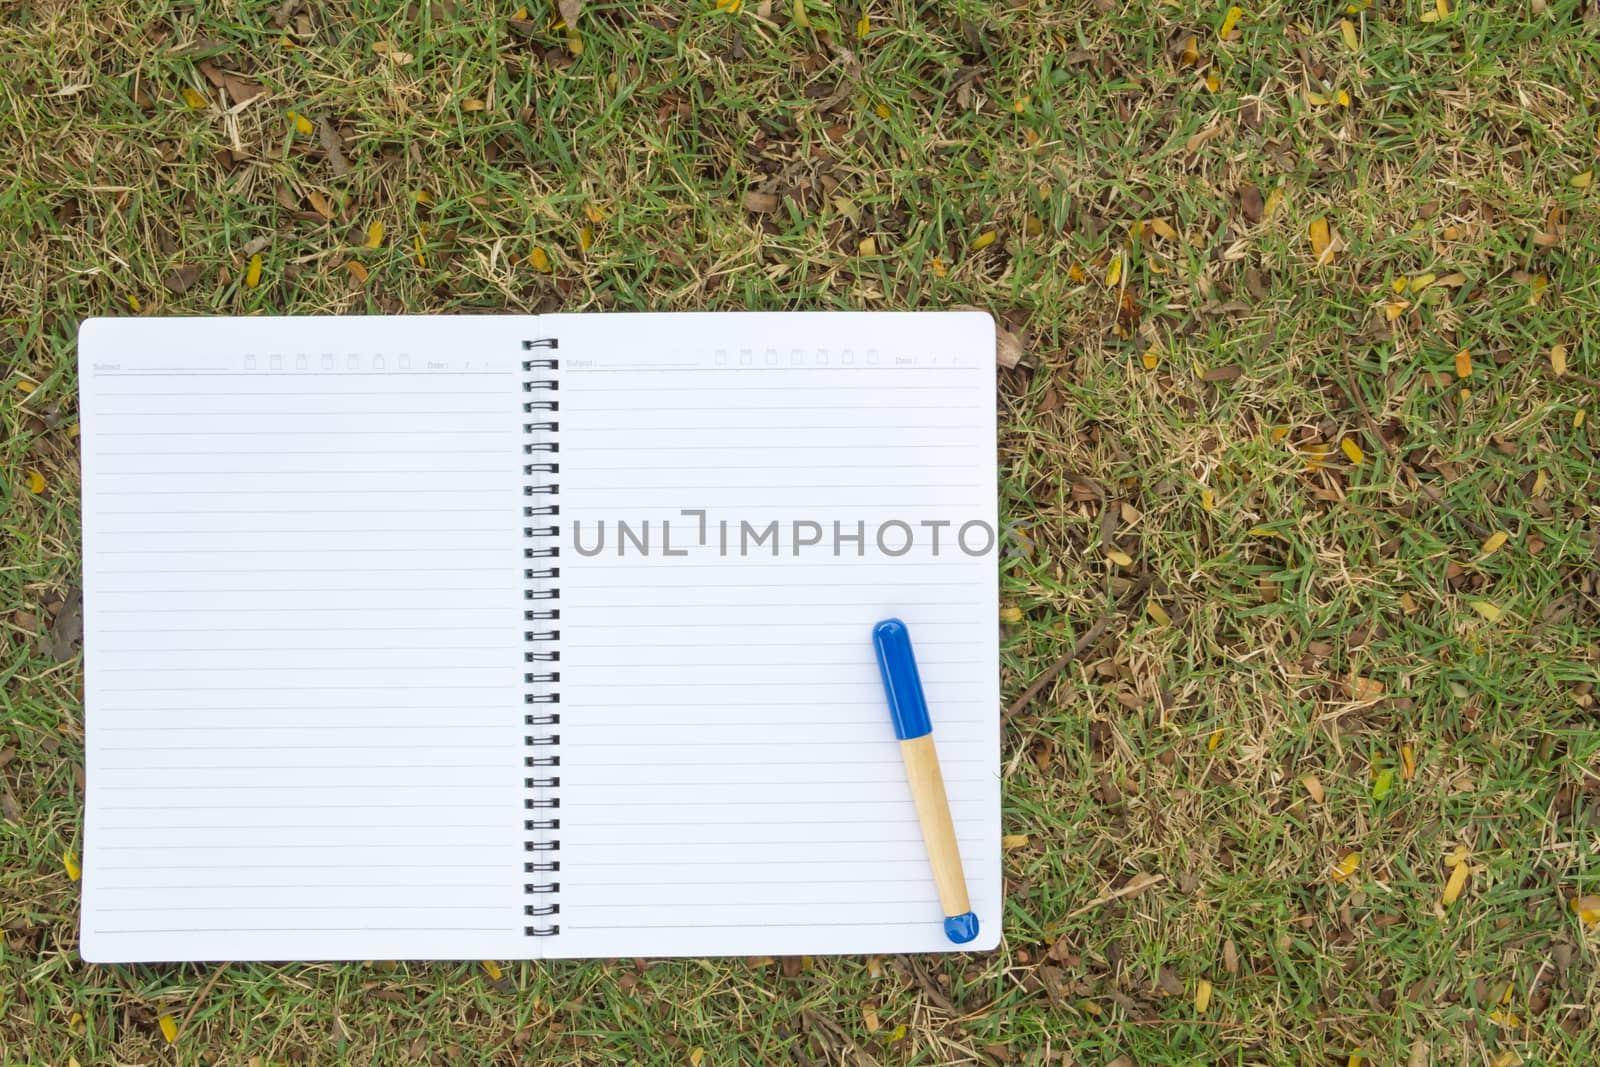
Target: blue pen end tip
{"x":887,"y":628}
{"x":961,"y":928}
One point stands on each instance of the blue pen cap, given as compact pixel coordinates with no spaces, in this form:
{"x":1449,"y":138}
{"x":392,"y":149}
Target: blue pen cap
{"x":901,"y":684}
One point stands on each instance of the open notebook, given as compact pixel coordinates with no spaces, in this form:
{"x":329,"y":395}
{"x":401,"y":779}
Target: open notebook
{"x":529,"y":636}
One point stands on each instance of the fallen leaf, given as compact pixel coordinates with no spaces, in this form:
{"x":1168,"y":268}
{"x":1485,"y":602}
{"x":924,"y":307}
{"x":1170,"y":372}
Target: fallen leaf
{"x":1202,"y":997}
{"x":983,"y":240}
{"x":1352,"y":451}
{"x":1162,"y":228}
{"x":332,"y":149}
{"x":1230,"y":957}
{"x":863,"y":26}
{"x":1464,"y":364}
{"x":1012,"y":841}
{"x":1190,"y":56}
{"x":1313,"y":788}
{"x":1456,"y":883}
{"x":1422,"y":281}
{"x":868,"y":246}
{"x":302,"y":125}
{"x":1494,"y":542}
{"x":181,"y":280}
{"x":760,"y":203}
{"x":1384,"y":784}
{"x":492,"y":969}
{"x":1348,"y":29}
{"x":1229,"y":22}
{"x":35,"y":483}
{"x":1321,"y":241}
{"x":1114,"y":271}
{"x":1393,"y":309}
{"x":1558,"y":360}
{"x":357,"y":270}
{"x":1208,"y":500}
{"x":193,"y":98}
{"x":1365,"y":689}
{"x":1488,"y":609}
{"x":69,"y":860}
{"x":586,"y":238}
{"x":472,"y":103}
{"x":319,"y":204}
{"x":1582,"y":181}
{"x":1214,"y":740}
{"x":1010,"y":614}
{"x":1250,"y":203}
{"x":1008,"y":347}
{"x":696,"y":1054}
{"x":1076,"y":274}
{"x":937,"y":266}
{"x":1587,"y":909}
{"x":1408,"y":604}
{"x":539,"y":260}
{"x":1346,"y":867}
{"x":169,"y":1028}
{"x":1120,"y":558}
{"x":1408,"y":763}
{"x":1157,"y":613}
{"x":252,"y":273}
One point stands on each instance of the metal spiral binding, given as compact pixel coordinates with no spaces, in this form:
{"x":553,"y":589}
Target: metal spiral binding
{"x":541,"y":684}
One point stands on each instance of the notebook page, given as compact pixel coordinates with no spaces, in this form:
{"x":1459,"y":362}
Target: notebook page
{"x":731,"y":783}
{"x":302,"y":572}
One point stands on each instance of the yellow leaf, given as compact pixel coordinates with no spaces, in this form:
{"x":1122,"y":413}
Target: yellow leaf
{"x":1351,"y":41}
{"x":1408,"y":763}
{"x":1076,"y":275}
{"x":730,"y":6}
{"x":69,"y":860}
{"x":1208,"y":500}
{"x":1011,"y":841}
{"x":1313,"y":787}
{"x":939,"y":269}
{"x":1578,"y":417}
{"x":897,"y":1033}
{"x":1230,"y":21}
{"x":1157,"y":613}
{"x":1120,"y":558}
{"x":35,"y":482}
{"x":801,"y":19}
{"x":1020,"y":104}
{"x":1540,"y":481}
{"x":416,"y":247}
{"x":1464,"y":364}
{"x":1582,"y":181}
{"x":983,"y":240}
{"x":192,"y":98}
{"x":1400,"y":283}
{"x":593,"y":214}
{"x":1488,"y":609}
{"x":1114,"y":271}
{"x":521,"y":15}
{"x":868,"y":246}
{"x":492,"y":969}
{"x":472,"y":104}
{"x":1033,"y":226}
{"x":133,"y":302}
{"x":25,"y":388}
{"x":320,"y":204}
{"x":1558,"y":360}
{"x":1202,"y":997}
{"x":1151,"y":359}
{"x":1274,"y":201}
{"x":1164,"y":229}
{"x":863,"y":26}
{"x":1587,"y":909}
{"x":1364,"y":688}
{"x":1261,"y":531}
{"x":1317,"y":99}
{"x":1422,"y":281}
{"x":696,"y":1054}
{"x":1010,"y":614}
{"x":1393,"y":309}
{"x":1277,"y":433}
{"x":585,"y":238}
{"x":169,"y":1028}
{"x":1214,"y":740}
{"x":1191,"y":52}
{"x":302,"y":125}
{"x":252,"y":273}
{"x":357,"y":270}
{"x":374,"y":234}
{"x":1346,"y":867}
{"x":1352,"y":451}
{"x":539,"y":260}
{"x":1341,"y":98}
{"x":1494,"y":542}
{"x":1213,"y":83}
{"x":1456,"y":883}
{"x":1322,"y":241}
{"x":575,"y":40}
{"x":423,"y":197}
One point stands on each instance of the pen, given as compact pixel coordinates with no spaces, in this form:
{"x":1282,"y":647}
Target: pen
{"x":909,"y":710}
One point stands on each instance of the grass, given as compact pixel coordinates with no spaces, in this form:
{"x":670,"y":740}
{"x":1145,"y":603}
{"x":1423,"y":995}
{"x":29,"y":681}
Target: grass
{"x":1287,"y":612}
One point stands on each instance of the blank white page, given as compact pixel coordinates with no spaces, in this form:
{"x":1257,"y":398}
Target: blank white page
{"x":730,"y":781}
{"x":303,"y":638}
